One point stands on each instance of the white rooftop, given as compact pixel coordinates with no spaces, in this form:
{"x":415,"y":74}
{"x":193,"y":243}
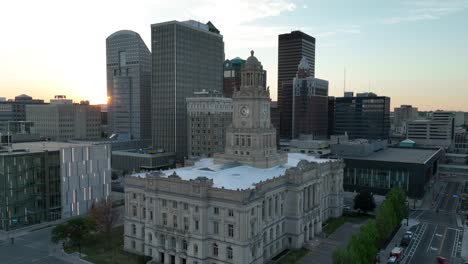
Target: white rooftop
{"x":235,"y":176}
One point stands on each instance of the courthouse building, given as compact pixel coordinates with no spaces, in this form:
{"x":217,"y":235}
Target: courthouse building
{"x":245,"y":205}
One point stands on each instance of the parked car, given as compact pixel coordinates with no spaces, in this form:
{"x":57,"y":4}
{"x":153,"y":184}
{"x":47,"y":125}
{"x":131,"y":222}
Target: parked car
{"x":409,"y":233}
{"x":405,"y":240}
{"x":442,"y":260}
{"x":397,"y":252}
{"x":392,"y":260}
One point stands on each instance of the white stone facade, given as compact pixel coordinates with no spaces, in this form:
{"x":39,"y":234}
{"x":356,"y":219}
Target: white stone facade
{"x":176,"y":220}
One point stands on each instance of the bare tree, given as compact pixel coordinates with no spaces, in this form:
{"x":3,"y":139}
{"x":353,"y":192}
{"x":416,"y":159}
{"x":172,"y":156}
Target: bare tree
{"x":104,"y":216}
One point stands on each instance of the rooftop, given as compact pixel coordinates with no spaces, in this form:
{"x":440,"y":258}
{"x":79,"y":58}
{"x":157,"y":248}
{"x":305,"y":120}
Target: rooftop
{"x":402,"y":155}
{"x":234,"y":176}
{"x":45,"y":145}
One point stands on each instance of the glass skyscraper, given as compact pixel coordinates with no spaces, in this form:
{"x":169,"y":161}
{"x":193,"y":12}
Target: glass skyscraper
{"x":187,"y":57}
{"x":128,"y":85}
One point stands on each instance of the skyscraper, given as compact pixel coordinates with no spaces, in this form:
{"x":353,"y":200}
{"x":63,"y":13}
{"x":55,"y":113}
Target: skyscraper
{"x":364,"y":116}
{"x":232,"y":78}
{"x":310,"y":104}
{"x":292,"y":47}
{"x":128,"y":85}
{"x":187,"y":57}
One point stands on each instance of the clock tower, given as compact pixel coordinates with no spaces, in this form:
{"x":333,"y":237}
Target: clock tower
{"x":251,"y":139}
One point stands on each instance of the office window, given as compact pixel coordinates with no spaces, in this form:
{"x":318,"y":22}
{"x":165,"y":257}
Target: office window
{"x":196,"y":225}
{"x":174,"y":221}
{"x":186,"y":223}
{"x":216,"y":210}
{"x":134,"y":211}
{"x":231,"y":230}
{"x":231,"y":212}
{"x":134,"y":229}
{"x":164,"y":203}
{"x":173,"y":242}
{"x":174,"y":204}
{"x":184,"y":245}
{"x":215,"y":250}
{"x":215,"y":227}
{"x":195,"y":249}
{"x":185,"y":206}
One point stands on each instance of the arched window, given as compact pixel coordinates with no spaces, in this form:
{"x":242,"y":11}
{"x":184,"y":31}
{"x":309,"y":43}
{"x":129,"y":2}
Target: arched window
{"x":215,"y":249}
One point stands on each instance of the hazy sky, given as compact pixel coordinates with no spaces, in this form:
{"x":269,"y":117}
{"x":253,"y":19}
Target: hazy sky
{"x":416,"y":52}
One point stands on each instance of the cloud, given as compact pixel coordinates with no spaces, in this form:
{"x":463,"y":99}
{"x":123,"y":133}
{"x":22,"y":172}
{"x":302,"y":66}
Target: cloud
{"x":427,"y":10}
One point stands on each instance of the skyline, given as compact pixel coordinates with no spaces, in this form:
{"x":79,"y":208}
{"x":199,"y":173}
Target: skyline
{"x":403,"y":50}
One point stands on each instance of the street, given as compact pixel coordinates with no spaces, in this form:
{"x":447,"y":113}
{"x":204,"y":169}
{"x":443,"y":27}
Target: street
{"x":440,"y":232}
{"x":31,"y":248}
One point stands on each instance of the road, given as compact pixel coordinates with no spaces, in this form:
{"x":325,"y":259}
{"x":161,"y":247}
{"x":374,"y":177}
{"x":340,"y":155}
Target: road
{"x":438,"y":233}
{"x":31,"y":248}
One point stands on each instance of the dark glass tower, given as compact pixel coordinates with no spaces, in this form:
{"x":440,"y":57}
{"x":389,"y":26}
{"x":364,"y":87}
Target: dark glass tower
{"x":365,"y":116}
{"x":292,"y":47}
{"x":187,"y":57}
{"x":128,"y":85}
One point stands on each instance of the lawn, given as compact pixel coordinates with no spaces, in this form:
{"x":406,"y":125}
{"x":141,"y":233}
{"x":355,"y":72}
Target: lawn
{"x":101,"y":249}
{"x":334,"y":223}
{"x":293,"y":256}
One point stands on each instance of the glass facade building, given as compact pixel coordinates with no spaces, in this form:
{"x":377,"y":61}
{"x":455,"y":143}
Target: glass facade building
{"x":363,"y":117}
{"x":29,"y":188}
{"x":187,"y":57}
{"x":128,"y":85}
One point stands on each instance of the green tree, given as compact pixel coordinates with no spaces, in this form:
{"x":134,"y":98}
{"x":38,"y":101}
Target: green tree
{"x":385,"y":220}
{"x":364,"y":201}
{"x":73,"y":232}
{"x":397,"y":198}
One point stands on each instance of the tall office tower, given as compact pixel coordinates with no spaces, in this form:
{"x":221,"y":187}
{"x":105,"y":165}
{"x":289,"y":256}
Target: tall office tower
{"x":209,"y":114}
{"x":364,"y":116}
{"x":310,"y":104}
{"x":128,"y":85}
{"x":292,"y":47}
{"x":331,"y":115}
{"x":186,"y":57}
{"x":404,"y":114}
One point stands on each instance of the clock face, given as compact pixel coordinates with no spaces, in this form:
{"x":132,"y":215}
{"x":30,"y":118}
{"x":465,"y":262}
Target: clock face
{"x":244,"y":111}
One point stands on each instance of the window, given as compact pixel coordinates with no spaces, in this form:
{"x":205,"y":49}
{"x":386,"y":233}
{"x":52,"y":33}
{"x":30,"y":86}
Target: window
{"x":174,"y":221}
{"x":216,"y":211}
{"x":133,"y":244}
{"x":269,"y":207}
{"x":134,"y":229}
{"x":283,"y":227}
{"x":173,"y":242}
{"x":150,"y":238}
{"x":163,"y":240}
{"x":231,"y":212}
{"x":186,"y":223}
{"x":185,"y":206}
{"x":277,"y":230}
{"x":164,"y":217}
{"x":229,"y":253}
{"x":195,"y":249}
{"x":254,"y":250}
{"x":184,"y":245}
{"x":263,"y":210}
{"x":215,"y":250}
{"x":271,"y":233}
{"x":276,"y":205}
{"x":134,"y":195}
{"x":231,"y":230}
{"x":215,"y":227}
{"x":174,"y":204}
{"x":252,"y":229}
{"x":134,"y":211}
{"x":164,"y":203}
{"x":196,"y":209}
{"x":252,"y":211}
{"x":196,"y":225}
{"x":151,"y":215}
{"x":144,"y":213}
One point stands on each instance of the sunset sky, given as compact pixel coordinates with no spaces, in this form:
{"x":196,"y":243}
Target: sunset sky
{"x":415,"y":52}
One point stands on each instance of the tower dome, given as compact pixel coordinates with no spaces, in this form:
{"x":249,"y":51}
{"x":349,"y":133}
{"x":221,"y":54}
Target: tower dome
{"x":252,"y":62}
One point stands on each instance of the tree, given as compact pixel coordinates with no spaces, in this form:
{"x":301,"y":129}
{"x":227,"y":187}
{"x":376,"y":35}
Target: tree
{"x":104,"y":216}
{"x":73,"y":232}
{"x":364,"y":201}
{"x":397,"y":198}
{"x":385,"y":220}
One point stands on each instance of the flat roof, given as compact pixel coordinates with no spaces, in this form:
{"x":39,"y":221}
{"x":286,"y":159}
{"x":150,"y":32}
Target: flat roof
{"x":402,"y":155}
{"x":46,"y":145}
{"x":235,"y":176}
